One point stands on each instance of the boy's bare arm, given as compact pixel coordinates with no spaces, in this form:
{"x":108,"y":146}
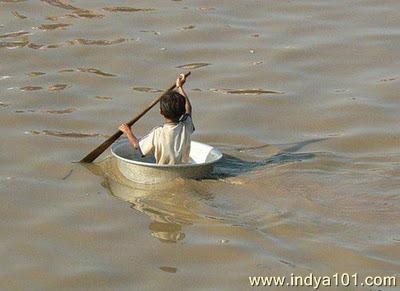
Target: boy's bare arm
{"x":179,"y":87}
{"x":188,"y":106}
{"x":131,"y":137}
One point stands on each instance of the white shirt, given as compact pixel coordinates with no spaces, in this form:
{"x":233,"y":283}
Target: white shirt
{"x":170,"y":142}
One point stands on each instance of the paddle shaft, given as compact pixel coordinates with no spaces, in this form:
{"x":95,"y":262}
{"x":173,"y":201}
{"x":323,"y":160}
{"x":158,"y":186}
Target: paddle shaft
{"x":105,"y":145}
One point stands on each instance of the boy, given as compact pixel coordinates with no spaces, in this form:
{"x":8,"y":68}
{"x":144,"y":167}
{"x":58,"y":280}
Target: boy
{"x":170,"y":142}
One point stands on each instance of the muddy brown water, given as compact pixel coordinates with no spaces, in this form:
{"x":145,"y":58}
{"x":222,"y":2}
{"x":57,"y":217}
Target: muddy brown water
{"x":301,"y":96}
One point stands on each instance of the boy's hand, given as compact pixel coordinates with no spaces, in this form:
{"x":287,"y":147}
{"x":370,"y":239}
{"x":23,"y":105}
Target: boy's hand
{"x":180,"y":81}
{"x":124,"y":128}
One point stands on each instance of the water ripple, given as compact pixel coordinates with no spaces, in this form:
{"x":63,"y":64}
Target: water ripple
{"x":96,"y":71}
{"x":35,"y":74}
{"x":12,"y":1}
{"x":127,"y":9}
{"x":76,"y":11}
{"x":188,"y":27}
{"x":85,"y":14}
{"x":60,"y":4}
{"x":88,"y":70}
{"x":95,"y":42}
{"x":3,"y":104}
{"x":35,"y":46}
{"x":168,"y":269}
{"x":14,"y":44}
{"x":152,"y":31}
{"x":246,"y":91}
{"x":193,"y":66}
{"x":72,"y":134}
{"x":50,"y":111}
{"x":146,"y":89}
{"x":59,"y":111}
{"x":18,"y":15}
{"x":104,"y":98}
{"x":53,"y":26}
{"x":57,"y":87}
{"x":14,"y":34}
{"x":31,"y":88}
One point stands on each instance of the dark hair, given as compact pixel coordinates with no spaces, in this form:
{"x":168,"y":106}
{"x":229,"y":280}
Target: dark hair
{"x":172,"y":105}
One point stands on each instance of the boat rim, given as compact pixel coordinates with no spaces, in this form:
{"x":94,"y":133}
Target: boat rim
{"x":218,"y":152}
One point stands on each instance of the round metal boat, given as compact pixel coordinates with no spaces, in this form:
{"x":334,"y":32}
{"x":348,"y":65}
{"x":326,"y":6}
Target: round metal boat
{"x":145,"y":170}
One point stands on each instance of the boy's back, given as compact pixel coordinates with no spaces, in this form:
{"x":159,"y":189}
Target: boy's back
{"x":170,"y":142}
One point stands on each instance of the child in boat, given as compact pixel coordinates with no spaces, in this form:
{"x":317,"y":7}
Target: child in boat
{"x":170,"y":142}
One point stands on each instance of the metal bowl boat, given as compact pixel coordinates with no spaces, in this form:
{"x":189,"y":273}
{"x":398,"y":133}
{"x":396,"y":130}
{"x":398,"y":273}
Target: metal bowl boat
{"x":144,"y":170}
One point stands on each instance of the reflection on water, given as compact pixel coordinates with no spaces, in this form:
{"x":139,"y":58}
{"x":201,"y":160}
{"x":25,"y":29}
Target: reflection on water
{"x":170,"y":209}
{"x":169,"y":206}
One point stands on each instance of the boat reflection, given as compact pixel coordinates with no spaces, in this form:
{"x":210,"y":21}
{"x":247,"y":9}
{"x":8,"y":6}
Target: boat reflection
{"x":170,"y":206}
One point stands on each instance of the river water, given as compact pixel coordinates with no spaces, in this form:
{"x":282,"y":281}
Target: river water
{"x":302,"y":97}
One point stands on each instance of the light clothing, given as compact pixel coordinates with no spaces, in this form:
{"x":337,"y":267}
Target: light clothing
{"x":170,"y":143}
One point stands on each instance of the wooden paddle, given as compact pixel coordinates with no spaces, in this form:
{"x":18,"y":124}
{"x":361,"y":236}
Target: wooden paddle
{"x":101,"y":148}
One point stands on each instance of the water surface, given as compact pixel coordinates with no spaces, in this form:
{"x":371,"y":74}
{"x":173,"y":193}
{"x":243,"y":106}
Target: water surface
{"x":301,"y":96}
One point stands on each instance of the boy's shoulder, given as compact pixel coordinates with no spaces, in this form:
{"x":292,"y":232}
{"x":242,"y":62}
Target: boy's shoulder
{"x":154,"y":131}
{"x":187,"y":121}
{"x":157,"y":129}
{"x":186,"y":117}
